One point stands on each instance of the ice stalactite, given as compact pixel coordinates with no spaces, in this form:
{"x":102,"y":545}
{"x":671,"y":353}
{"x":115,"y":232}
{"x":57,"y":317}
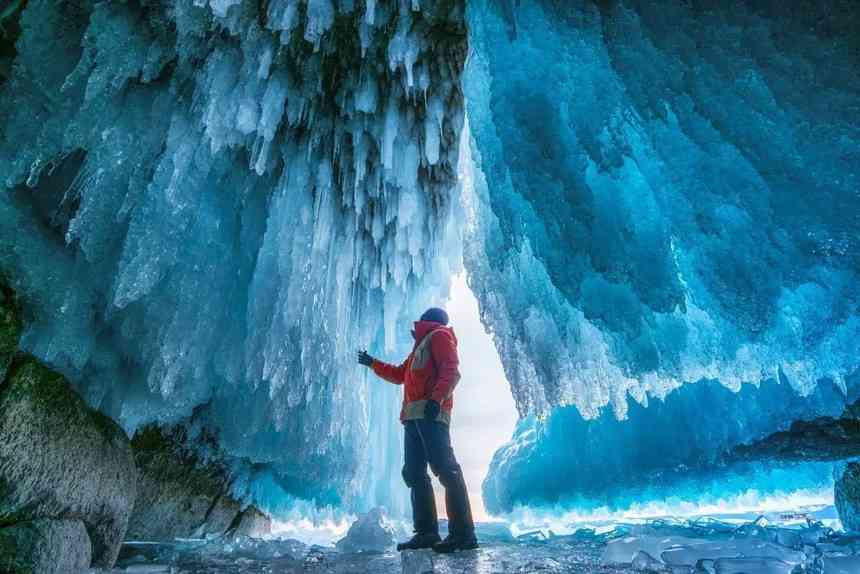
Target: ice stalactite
{"x":210,"y":205}
{"x":667,"y":194}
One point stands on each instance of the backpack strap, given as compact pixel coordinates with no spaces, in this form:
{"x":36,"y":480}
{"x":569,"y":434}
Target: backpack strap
{"x":421,"y":348}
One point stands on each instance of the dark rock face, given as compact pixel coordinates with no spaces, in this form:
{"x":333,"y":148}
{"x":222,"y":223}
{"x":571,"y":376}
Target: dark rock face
{"x":61,"y":460}
{"x":847,"y":497}
{"x":10,"y":326}
{"x":823,"y":438}
{"x":251,"y":523}
{"x":179,"y":494}
{"x":45,"y":546}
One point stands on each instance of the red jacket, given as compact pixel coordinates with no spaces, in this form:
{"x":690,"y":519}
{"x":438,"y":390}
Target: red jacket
{"x":431,"y":371}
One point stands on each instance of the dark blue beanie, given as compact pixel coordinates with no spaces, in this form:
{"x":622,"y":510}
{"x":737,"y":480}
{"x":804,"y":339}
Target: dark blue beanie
{"x":436,"y":315}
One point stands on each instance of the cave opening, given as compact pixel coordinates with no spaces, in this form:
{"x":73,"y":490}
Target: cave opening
{"x":642,"y":217}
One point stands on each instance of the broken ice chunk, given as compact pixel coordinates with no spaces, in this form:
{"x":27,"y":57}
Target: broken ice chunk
{"x":689,"y":555}
{"x":624,"y":550}
{"x":645,"y":562}
{"x":840,"y":564}
{"x":752,"y":566}
{"x":372,"y":532}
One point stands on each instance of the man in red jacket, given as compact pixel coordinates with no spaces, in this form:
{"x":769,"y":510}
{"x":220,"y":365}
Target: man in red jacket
{"x":429,"y":375}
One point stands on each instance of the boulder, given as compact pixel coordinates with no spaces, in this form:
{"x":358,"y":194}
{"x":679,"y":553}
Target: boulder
{"x":847,"y":496}
{"x":372,"y":532}
{"x":45,"y":546}
{"x":251,"y":523}
{"x":61,"y":460}
{"x":180,"y":495}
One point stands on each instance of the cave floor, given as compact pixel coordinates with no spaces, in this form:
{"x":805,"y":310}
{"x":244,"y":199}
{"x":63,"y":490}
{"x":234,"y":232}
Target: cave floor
{"x":703,"y":546}
{"x":492,"y":558}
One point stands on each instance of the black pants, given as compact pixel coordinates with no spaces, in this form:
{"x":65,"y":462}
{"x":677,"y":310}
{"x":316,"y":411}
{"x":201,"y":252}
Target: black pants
{"x":430,"y":442}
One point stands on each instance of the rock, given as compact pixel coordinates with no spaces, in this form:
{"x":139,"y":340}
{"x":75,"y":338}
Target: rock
{"x":251,"y":523}
{"x":60,"y":459}
{"x":372,"y":532}
{"x":179,"y":494}
{"x":45,"y":546}
{"x":847,"y":495}
{"x":10,"y":326}
{"x":822,"y":438}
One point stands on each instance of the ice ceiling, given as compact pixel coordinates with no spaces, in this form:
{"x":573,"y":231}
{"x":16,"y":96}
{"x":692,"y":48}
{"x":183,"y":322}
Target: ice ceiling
{"x":669,"y":196}
{"x":209,"y":205}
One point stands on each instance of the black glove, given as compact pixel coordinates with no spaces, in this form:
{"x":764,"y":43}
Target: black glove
{"x":365,"y":359}
{"x":431,"y":410}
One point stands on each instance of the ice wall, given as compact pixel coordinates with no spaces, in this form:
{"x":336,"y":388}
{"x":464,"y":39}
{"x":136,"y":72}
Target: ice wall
{"x":209,"y":205}
{"x":682,"y":450}
{"x":666,"y":193}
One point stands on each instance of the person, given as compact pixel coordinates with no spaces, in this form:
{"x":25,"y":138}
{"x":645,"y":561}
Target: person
{"x":429,"y":375}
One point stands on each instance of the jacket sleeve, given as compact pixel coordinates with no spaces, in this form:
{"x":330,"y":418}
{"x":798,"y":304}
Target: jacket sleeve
{"x":391,"y":373}
{"x":447,"y":365}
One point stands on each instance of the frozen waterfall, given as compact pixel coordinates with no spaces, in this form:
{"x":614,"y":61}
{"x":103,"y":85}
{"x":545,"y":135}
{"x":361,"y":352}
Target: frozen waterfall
{"x":209,"y":206}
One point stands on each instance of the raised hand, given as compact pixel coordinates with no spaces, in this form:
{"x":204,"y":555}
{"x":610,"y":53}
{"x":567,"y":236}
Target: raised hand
{"x":364,"y":359}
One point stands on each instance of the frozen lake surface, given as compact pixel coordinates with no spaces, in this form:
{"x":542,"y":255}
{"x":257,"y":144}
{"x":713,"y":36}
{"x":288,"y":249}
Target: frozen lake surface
{"x":558,"y":556}
{"x":798,"y":545}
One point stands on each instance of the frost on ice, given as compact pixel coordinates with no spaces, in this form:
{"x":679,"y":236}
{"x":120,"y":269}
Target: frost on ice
{"x":209,"y":205}
{"x":664,"y":194}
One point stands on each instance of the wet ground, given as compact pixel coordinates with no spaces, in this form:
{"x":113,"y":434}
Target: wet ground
{"x":702,"y":546}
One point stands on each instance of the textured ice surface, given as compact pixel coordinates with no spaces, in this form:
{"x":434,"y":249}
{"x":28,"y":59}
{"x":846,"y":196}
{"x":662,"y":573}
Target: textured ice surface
{"x":680,"y":448}
{"x":702,"y":546}
{"x":208,"y":206}
{"x":711,"y":546}
{"x":670,"y":197}
{"x":840,"y":564}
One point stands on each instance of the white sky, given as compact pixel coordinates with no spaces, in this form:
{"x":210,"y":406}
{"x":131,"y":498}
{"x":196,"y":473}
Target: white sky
{"x":484,"y":412}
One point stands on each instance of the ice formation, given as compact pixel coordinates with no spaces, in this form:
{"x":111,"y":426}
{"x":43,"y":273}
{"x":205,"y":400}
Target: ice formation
{"x":209,"y":205}
{"x":665,"y":194}
{"x":372,"y":532}
{"x":683,"y":449}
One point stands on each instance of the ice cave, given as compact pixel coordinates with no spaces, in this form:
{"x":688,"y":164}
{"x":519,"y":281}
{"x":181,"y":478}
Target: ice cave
{"x":643,"y":218}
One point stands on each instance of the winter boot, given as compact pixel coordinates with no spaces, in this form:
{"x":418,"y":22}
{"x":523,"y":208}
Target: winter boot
{"x":453,"y":544}
{"x":419,"y":541}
